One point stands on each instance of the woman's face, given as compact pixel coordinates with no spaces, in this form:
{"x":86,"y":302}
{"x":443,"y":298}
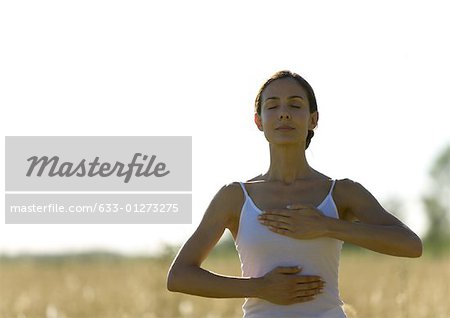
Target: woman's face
{"x":285,"y":116}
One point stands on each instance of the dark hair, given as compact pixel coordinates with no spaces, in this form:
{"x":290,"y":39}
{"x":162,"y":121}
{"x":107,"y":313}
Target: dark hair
{"x":303,"y":83}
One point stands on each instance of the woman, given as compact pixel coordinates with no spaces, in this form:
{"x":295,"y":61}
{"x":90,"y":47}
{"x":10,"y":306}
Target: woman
{"x":288,"y":224}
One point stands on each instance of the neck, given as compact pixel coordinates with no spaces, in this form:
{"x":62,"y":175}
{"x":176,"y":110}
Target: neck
{"x":288,"y":163}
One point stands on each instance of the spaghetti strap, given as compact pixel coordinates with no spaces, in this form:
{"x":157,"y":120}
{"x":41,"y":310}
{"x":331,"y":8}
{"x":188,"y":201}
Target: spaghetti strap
{"x":332,"y":187}
{"x":243,"y":189}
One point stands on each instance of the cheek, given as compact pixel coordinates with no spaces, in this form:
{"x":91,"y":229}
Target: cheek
{"x":266,"y":117}
{"x":303,"y":114}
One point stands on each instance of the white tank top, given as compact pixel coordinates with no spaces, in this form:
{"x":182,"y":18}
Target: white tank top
{"x":261,"y":250}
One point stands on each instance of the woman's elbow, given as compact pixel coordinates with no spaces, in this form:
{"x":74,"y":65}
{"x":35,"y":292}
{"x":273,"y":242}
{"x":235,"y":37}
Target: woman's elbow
{"x":419,"y":248}
{"x":416,"y":248}
{"x":172,"y":280}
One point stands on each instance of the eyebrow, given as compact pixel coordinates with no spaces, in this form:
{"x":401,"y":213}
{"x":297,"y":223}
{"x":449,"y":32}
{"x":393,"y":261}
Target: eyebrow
{"x":290,"y":97}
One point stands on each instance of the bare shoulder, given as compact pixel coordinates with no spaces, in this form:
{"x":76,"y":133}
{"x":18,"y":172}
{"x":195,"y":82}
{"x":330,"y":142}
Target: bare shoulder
{"x":346,"y":185}
{"x":228,"y":202}
{"x":348,"y":193}
{"x":351,"y":192}
{"x":230,"y":194}
{"x":357,"y":203}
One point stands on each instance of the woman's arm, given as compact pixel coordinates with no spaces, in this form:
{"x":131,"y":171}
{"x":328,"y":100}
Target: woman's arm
{"x":375,"y":228}
{"x":365,"y":223}
{"x":186,"y":275}
{"x":282,"y":285}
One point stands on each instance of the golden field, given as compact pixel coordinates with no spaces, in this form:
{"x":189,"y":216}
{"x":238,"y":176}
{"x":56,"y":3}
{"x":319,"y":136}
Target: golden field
{"x":372,"y":285}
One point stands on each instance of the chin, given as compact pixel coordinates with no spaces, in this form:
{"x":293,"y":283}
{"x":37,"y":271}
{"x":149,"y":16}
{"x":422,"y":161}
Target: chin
{"x":284,"y":142}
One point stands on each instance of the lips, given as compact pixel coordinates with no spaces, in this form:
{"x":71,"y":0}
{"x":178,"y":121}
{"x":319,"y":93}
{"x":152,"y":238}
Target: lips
{"x":284,"y":127}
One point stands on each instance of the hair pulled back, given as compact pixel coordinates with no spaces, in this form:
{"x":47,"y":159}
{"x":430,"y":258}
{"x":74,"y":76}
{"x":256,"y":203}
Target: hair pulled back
{"x":303,"y":83}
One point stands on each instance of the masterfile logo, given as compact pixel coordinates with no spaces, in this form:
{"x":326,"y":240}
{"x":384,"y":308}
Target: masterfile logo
{"x":56,"y":179}
{"x":99,"y":163}
{"x":68,"y":169}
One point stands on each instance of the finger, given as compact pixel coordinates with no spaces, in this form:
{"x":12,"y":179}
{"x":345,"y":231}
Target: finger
{"x":310,"y":286}
{"x":296,"y":206}
{"x":278,"y":230}
{"x":302,"y":211}
{"x":303,"y":299}
{"x":288,"y":269}
{"x":282,"y":213}
{"x":302,"y":279}
{"x":274,"y":217}
{"x":306,"y":293}
{"x":277,"y":225}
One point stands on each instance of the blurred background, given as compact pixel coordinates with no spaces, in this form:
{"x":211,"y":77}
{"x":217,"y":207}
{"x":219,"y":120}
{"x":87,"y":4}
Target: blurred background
{"x":380,"y":75}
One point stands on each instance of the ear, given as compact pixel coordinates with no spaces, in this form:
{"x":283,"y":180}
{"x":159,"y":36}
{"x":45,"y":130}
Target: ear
{"x":313,"y":120}
{"x":258,"y":122}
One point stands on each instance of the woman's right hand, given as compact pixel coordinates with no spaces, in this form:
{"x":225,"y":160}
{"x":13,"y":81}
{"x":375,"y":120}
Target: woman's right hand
{"x":283,"y":286}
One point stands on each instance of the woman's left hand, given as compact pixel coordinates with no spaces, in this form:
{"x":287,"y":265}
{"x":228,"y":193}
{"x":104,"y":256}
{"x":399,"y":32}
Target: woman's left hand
{"x":300,"y":221}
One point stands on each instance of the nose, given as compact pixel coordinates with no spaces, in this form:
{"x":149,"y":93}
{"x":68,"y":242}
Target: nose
{"x":284,"y":114}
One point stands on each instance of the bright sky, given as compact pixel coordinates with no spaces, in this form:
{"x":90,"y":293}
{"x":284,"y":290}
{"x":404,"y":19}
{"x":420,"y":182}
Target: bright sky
{"x":155,"y":68}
